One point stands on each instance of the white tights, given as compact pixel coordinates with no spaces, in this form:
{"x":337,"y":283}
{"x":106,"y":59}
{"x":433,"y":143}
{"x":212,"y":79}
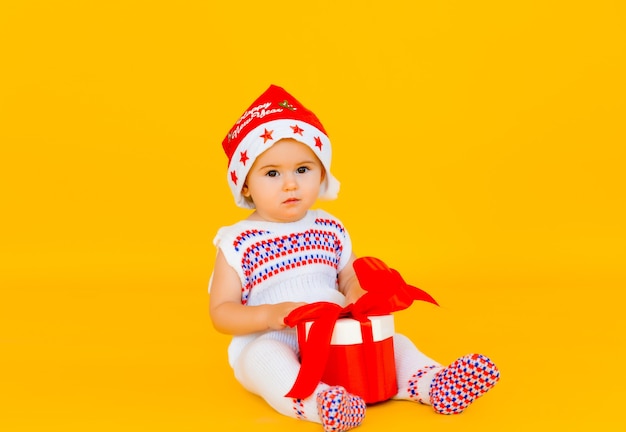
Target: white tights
{"x":269,"y":365}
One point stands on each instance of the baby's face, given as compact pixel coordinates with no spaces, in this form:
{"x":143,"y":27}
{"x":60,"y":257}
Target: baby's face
{"x":284,"y":181}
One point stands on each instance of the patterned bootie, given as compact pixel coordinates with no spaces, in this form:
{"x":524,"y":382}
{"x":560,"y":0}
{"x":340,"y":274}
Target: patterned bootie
{"x":339,"y":410}
{"x":465,"y":380}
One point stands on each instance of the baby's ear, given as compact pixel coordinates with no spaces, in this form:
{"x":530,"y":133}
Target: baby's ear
{"x":245,"y":191}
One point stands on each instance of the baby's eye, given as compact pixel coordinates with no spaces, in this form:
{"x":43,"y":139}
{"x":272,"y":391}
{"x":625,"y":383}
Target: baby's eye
{"x":272,"y":173}
{"x":302,"y":170}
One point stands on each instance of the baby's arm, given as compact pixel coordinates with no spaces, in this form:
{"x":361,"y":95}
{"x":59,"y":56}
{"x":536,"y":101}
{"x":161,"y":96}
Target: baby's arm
{"x":349,"y":284}
{"x":230,"y":316}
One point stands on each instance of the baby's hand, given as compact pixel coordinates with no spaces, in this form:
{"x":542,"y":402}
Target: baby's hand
{"x":278,"y":312}
{"x":355,"y":293}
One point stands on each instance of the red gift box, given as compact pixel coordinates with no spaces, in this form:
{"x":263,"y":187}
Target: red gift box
{"x":365,"y":368}
{"x":360,"y":357}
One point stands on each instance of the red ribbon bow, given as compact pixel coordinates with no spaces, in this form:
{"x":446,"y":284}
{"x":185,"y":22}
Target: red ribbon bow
{"x":386,"y":292}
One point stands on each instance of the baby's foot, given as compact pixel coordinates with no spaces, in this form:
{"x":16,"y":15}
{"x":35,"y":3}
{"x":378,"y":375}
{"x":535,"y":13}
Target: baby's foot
{"x":339,"y":410}
{"x":465,"y":380}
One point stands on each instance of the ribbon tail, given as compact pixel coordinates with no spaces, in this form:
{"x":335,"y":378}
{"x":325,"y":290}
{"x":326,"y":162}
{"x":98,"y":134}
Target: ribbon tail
{"x":314,"y":353}
{"x":421,"y":295}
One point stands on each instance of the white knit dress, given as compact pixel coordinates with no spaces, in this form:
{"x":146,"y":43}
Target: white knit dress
{"x":297,"y":262}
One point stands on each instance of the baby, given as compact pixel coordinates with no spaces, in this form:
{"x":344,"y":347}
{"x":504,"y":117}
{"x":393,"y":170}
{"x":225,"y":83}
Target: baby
{"x":286,"y":254}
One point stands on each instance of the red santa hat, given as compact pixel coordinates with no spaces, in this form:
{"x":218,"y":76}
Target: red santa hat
{"x":273,"y":116}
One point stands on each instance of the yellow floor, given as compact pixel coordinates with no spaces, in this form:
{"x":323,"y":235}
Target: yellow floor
{"x":137,"y":353}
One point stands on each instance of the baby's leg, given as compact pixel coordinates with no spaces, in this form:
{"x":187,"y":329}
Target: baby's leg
{"x":269,"y":367}
{"x":415,"y":370}
{"x":448,"y":389}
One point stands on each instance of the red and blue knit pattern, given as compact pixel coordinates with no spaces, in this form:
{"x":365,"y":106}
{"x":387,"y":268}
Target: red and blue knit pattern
{"x":266,"y":255}
{"x":413,"y":388}
{"x":461,"y":383}
{"x":298,"y":408}
{"x":340,"y":410}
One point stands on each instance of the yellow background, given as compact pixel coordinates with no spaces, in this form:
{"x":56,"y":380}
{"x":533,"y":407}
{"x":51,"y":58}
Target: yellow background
{"x":480,"y":147}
